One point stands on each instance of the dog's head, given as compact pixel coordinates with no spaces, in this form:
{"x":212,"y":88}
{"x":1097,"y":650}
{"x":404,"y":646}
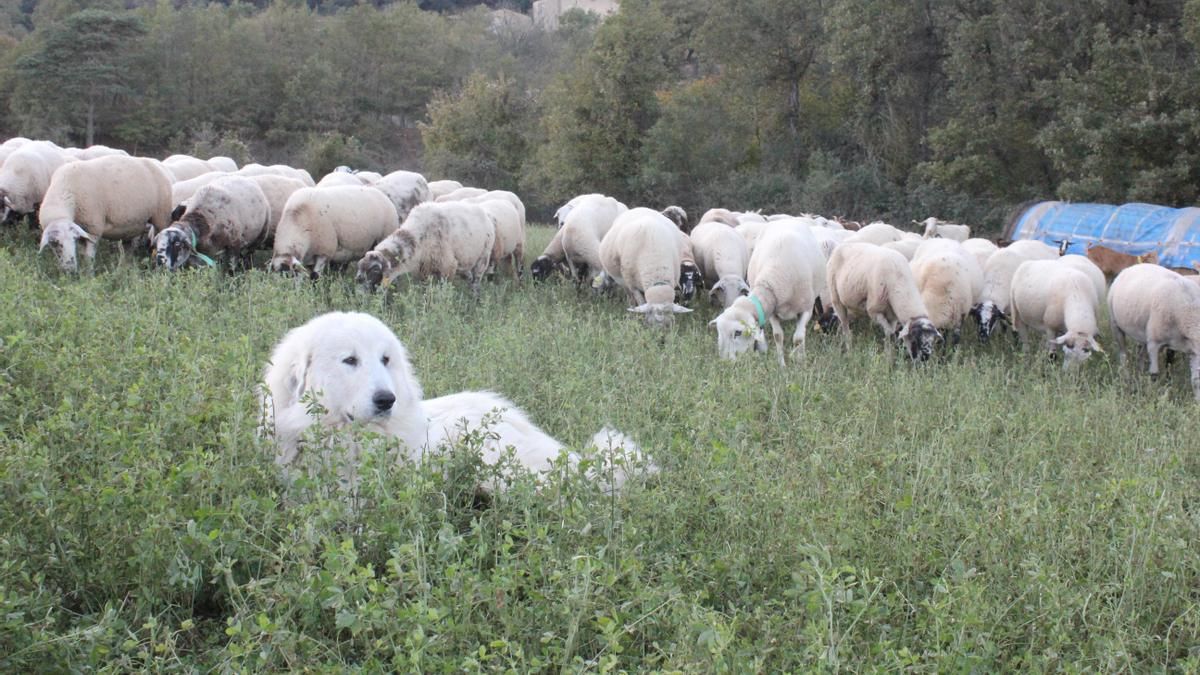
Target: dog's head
{"x":352,"y":365}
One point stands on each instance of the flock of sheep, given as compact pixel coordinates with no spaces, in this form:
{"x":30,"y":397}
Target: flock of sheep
{"x":919,"y":288}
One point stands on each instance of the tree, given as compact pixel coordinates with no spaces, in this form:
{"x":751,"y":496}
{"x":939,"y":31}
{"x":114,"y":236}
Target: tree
{"x":481,"y":135}
{"x":81,"y":66}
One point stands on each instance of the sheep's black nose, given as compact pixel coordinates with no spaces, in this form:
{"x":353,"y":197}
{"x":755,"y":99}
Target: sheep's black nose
{"x":383,"y":400}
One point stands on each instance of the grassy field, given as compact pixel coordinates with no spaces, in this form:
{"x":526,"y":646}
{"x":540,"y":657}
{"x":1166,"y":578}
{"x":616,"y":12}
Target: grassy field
{"x":985,"y":512}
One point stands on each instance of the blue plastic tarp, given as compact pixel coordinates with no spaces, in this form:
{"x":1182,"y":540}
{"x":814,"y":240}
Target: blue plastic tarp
{"x":1136,"y":229}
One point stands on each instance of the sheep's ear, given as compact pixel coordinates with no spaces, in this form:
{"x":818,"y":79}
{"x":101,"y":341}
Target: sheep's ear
{"x":178,"y":212}
{"x":46,"y":236}
{"x":81,"y":233}
{"x":680,"y":309}
{"x":1096,"y":345}
{"x":902,"y":332}
{"x":1061,"y":339}
{"x":743,"y":288}
{"x":712,"y":292}
{"x":641,"y":309}
{"x":712,"y":324}
{"x":151,"y":231}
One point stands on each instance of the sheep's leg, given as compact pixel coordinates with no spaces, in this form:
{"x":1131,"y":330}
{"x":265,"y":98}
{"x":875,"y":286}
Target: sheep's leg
{"x":1119,"y":338}
{"x":1195,"y":361}
{"x":798,"y":338}
{"x":1152,"y":349}
{"x":319,"y":266}
{"x":839,"y":310}
{"x":777,"y":338}
{"x":889,"y":328}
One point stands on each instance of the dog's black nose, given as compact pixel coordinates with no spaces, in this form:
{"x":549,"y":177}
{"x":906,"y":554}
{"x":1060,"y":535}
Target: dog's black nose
{"x":383,"y":400}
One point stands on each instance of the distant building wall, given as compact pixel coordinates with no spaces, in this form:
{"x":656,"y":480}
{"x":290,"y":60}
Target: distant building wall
{"x":547,"y":12}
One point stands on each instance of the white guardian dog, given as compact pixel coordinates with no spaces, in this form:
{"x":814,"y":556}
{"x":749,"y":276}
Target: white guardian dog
{"x":357,"y":372}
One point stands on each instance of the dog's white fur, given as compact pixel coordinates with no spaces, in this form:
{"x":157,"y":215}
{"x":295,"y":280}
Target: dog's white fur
{"x":345,"y":361}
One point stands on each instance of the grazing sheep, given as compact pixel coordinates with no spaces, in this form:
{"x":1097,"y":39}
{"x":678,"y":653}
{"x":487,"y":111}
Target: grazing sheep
{"x":1113,"y":262}
{"x":186,"y":167}
{"x":552,"y":257}
{"x":442,"y":240}
{"x":277,"y":189}
{"x":872,"y":280}
{"x":93,"y":151}
{"x":337,"y":178}
{"x":720,"y":216}
{"x":560,"y":216}
{"x":722,"y":255}
{"x":1092,"y":270}
{"x":997,"y":279}
{"x":368,"y":177}
{"x":223,"y":163}
{"x":330,"y":224}
{"x":905,"y":247}
{"x":229,"y":216}
{"x":982,"y":249}
{"x":949,"y":279}
{"x":1157,"y":308}
{"x":278,"y":170}
{"x":940,"y":228}
{"x":507,"y":196}
{"x":182,"y":190}
{"x":1056,"y":299}
{"x":641,"y":253}
{"x":787,"y":278}
{"x":26,"y":175}
{"x":461,"y":194}
{"x":437,"y":188}
{"x":406,"y":189}
{"x":110,"y":197}
{"x":509,"y":245}
{"x":876,"y":233}
{"x":586,"y":226}
{"x":677,"y":215}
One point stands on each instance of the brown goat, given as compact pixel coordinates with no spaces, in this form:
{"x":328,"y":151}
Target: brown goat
{"x":1112,"y":262}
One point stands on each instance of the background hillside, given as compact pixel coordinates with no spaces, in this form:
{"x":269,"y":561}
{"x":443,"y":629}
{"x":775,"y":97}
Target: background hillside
{"x":859,"y":108}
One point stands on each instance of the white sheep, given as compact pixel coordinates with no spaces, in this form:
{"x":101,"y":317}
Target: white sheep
{"x":940,"y":228}
{"x":461,"y":194}
{"x":339,"y":179}
{"x":185,"y":167}
{"x":301,"y":175}
{"x":1058,"y":300}
{"x":507,"y":196}
{"x":229,"y":216}
{"x":586,"y":227}
{"x":509,"y":245}
{"x":406,"y":189}
{"x":876,"y":233}
{"x":26,"y":175}
{"x":677,"y":215}
{"x":1092,"y":270}
{"x":93,"y":151}
{"x":982,"y":249}
{"x":560,"y":216}
{"x":950,"y":280}
{"x":1158,"y":308}
{"x":641,"y":253}
{"x":905,"y":247}
{"x":223,"y":163}
{"x":368,"y":177}
{"x":182,"y":190}
{"x":719,"y":215}
{"x":997,"y":279}
{"x":330,"y":224}
{"x":277,"y":189}
{"x":723,"y":256}
{"x":441,"y":240}
{"x":437,"y":188}
{"x":787,"y":276}
{"x":110,"y":197}
{"x":872,"y":280}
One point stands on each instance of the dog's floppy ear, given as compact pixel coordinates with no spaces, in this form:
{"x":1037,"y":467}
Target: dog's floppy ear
{"x":297,"y":377}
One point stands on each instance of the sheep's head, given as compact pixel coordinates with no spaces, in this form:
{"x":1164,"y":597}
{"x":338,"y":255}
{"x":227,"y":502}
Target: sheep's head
{"x":287,"y":264}
{"x":1077,"y":347}
{"x":689,"y":278}
{"x":7,"y":213}
{"x":541,"y":268}
{"x":172,"y":247}
{"x":677,"y":215}
{"x":989,"y":317}
{"x":919,"y":338}
{"x":737,"y":332}
{"x":372,"y":269}
{"x":727,"y":290}
{"x":64,"y":237}
{"x":659,"y":308}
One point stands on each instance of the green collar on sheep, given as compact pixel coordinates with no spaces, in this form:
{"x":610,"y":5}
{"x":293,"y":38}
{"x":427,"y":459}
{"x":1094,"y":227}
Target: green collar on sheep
{"x":762,"y":315}
{"x":203,"y":258}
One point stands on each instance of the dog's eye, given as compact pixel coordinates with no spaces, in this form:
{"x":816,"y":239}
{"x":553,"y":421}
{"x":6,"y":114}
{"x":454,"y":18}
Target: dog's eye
{"x":350,"y":361}
{"x":385,"y":360}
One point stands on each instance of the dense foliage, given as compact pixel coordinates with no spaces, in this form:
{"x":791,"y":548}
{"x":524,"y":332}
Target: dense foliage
{"x":862,"y":108}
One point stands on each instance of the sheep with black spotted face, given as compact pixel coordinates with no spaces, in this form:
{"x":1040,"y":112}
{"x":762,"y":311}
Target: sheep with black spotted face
{"x":229,"y":216}
{"x":865,"y":279}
